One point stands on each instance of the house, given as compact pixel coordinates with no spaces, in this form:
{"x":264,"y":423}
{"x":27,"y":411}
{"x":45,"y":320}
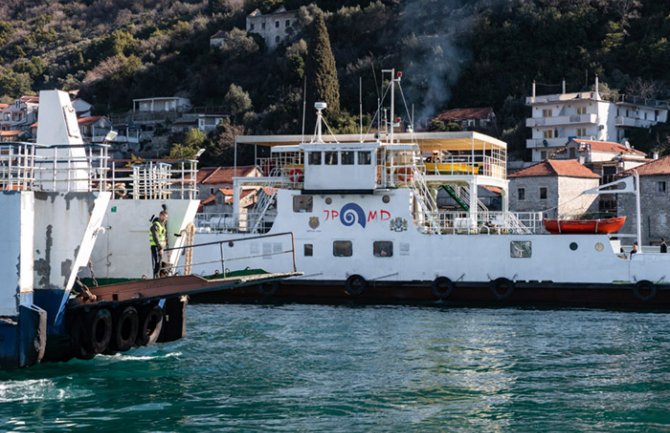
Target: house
{"x":470,"y":119}
{"x":161,"y":105}
{"x":204,"y":122}
{"x":20,"y":114}
{"x":555,"y":186}
{"x":217,"y":39}
{"x":81,"y":107}
{"x":274,"y":27}
{"x":557,"y":118}
{"x":93,"y":129}
{"x":654,"y":202}
{"x":212,"y":179}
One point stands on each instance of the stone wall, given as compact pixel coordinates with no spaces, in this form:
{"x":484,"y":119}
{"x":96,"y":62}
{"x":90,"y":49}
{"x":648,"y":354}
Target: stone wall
{"x":563,"y":193}
{"x":655,"y":208}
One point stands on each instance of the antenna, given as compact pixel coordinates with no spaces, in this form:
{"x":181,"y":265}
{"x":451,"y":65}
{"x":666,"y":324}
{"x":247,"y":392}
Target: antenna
{"x":360,"y":106}
{"x":304,"y":105}
{"x":320,"y":106}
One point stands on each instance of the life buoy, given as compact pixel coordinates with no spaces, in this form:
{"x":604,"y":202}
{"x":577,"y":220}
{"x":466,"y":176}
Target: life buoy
{"x":269,"y":289}
{"x":355,"y":285}
{"x":97,"y":331}
{"x":295,"y":175}
{"x":126,"y":325}
{"x":404,"y":174}
{"x":501,"y":288}
{"x":150,"y":329}
{"x":442,"y":287}
{"x":644,"y":290}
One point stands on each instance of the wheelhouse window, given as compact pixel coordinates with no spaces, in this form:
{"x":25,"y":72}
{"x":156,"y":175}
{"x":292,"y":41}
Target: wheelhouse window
{"x":308,"y":250}
{"x":331,"y":158}
{"x":302,"y":203}
{"x":382,"y":248}
{"x":342,"y":249}
{"x":364,"y":157}
{"x":521,"y":193}
{"x":520,"y":249}
{"x":314,"y":158}
{"x":347,"y":157}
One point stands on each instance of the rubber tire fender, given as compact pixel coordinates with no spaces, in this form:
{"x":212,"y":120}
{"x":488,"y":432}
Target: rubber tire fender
{"x":150,"y":328}
{"x":126,"y":325}
{"x":442,"y":287}
{"x":97,"y":331}
{"x":501,"y":288}
{"x":355,"y":285}
{"x":642,"y":287}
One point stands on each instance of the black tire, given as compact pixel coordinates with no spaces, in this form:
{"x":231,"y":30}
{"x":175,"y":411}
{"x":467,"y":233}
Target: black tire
{"x":77,"y":337}
{"x":126,"y":325}
{"x":355,"y":285}
{"x":97,"y":331}
{"x":269,"y":289}
{"x":501,"y":288}
{"x":442,"y":287}
{"x":645,"y":290}
{"x":151,"y":326}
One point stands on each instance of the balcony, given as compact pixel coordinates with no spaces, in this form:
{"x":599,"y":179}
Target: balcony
{"x":576,"y":119}
{"x":537,"y":143}
{"x":633,"y":122}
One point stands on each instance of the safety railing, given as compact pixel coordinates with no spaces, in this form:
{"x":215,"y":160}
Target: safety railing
{"x":17,"y":166}
{"x":491,"y":222}
{"x":482,"y":165}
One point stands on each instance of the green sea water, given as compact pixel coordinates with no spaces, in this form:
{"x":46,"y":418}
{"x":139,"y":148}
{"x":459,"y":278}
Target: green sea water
{"x":305,"y":368}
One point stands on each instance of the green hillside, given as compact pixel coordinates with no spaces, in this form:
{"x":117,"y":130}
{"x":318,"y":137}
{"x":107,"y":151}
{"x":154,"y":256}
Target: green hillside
{"x":453,"y":53}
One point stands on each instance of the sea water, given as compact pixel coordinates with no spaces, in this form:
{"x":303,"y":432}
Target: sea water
{"x":249,"y":368}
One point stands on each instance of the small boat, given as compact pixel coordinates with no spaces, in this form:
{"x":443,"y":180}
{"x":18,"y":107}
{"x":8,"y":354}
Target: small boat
{"x":585,"y":226}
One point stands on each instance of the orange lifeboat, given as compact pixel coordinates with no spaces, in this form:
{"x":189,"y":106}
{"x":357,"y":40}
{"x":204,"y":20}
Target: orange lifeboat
{"x":602,"y":226}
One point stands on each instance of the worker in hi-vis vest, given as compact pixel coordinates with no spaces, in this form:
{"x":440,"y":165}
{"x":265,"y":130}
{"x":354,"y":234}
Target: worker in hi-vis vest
{"x":158,"y":241}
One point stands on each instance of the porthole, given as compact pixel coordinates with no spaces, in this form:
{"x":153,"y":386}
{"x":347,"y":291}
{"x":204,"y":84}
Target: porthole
{"x":329,"y":200}
{"x":599,"y":246}
{"x":574,"y":246}
{"x":386,"y":199}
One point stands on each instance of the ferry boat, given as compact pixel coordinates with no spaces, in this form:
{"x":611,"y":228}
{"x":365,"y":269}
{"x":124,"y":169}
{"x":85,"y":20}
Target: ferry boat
{"x":74,"y":253}
{"x":367,"y":228}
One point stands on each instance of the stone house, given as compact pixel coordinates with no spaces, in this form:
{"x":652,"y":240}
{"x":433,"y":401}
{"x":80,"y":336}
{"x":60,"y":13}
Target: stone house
{"x":481,"y":119}
{"x":554,"y":186}
{"x":211,"y":180}
{"x":217,"y":39}
{"x":274,"y":27}
{"x":654,"y":202}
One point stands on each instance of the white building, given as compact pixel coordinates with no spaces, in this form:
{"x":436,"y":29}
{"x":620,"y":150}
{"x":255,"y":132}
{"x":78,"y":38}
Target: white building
{"x":557,"y":118}
{"x":161,"y":104}
{"x":273,"y":27}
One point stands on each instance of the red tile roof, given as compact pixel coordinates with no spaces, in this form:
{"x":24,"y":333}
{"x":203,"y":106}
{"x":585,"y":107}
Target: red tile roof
{"x":222,"y":175}
{"x":3,"y":106}
{"x":556,"y":167}
{"x":465,"y":113}
{"x":657,"y":167}
{"x":608,"y":146}
{"x":209,"y":200}
{"x":88,"y":120}
{"x":13,"y":133}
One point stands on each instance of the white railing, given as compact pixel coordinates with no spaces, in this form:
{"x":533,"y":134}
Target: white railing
{"x":17,"y":166}
{"x":483,"y":165}
{"x":491,"y":222}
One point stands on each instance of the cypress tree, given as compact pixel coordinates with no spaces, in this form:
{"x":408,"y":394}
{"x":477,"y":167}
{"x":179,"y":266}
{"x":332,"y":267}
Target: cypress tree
{"x":322,"y":84}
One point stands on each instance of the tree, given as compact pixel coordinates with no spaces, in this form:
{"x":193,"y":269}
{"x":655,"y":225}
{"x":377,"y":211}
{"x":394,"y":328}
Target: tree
{"x":322,"y":83}
{"x":237,"y":101}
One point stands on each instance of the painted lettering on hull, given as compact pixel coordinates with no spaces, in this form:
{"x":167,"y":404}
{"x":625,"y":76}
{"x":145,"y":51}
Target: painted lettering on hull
{"x":352,"y":213}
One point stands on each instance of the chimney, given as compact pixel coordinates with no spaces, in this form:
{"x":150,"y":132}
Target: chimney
{"x":597,"y":93}
{"x":563,"y":87}
{"x":654,"y":155}
{"x":533,"y":90}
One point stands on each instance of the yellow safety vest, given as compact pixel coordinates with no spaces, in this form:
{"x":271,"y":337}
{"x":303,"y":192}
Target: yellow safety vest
{"x":160,"y":232}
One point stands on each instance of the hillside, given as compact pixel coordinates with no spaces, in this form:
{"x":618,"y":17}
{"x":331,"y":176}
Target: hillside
{"x":453,"y":53}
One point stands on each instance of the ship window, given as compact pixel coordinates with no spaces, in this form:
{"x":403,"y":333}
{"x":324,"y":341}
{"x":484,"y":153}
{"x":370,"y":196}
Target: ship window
{"x":342,"y":249}
{"x":382,"y":248}
{"x":331,"y":158}
{"x":347,"y":157}
{"x":521,"y":193}
{"x":309,"y":250}
{"x":302,"y":203}
{"x":661,"y":186}
{"x":520,"y":249}
{"x":314,"y":158}
{"x":543,"y":193}
{"x":364,"y":158}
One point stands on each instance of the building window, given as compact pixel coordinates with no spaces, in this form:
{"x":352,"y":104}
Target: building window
{"x":347,"y":157}
{"x":364,"y":158}
{"x":314,"y":158}
{"x":277,"y":24}
{"x":548,"y":133}
{"x":581,"y":110}
{"x":302,"y":203}
{"x":520,"y":249}
{"x":263,"y":26}
{"x":581,"y":132}
{"x":382,"y":249}
{"x":573,"y":152}
{"x":288,"y":23}
{"x":543,"y":193}
{"x":546,"y":113}
{"x":521,"y":193}
{"x":309,"y":250}
{"x":543,"y":155}
{"x":251,"y":26}
{"x":331,"y":158}
{"x":660,"y":186}
{"x":342,"y":249}
{"x":276,"y":38}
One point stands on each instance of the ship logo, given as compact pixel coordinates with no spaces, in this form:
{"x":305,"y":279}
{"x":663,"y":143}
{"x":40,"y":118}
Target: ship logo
{"x":398,"y":224}
{"x":352,"y":213}
{"x":313,"y":222}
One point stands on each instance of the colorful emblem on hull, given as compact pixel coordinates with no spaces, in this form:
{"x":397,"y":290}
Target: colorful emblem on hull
{"x":313,"y":222}
{"x":398,"y":224}
{"x":352,"y":213}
